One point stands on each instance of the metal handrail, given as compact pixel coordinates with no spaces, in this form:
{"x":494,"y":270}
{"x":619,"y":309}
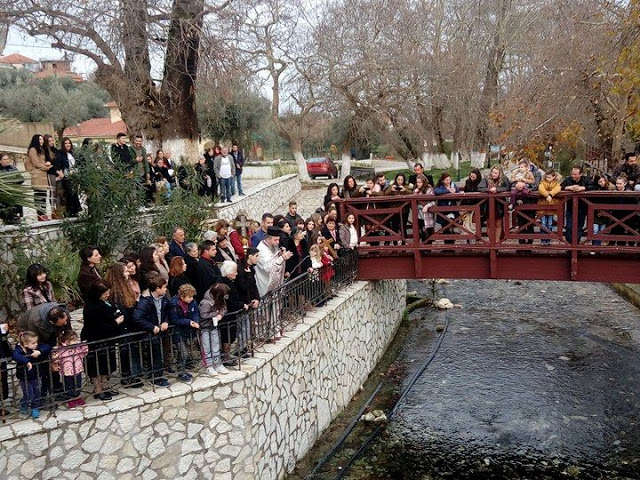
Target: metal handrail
{"x":127,"y":357}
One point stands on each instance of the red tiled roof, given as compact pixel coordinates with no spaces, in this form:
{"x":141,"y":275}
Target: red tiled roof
{"x":16,"y":59}
{"x":96,"y":128}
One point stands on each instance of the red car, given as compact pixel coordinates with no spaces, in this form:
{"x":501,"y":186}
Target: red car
{"x":320,"y":166}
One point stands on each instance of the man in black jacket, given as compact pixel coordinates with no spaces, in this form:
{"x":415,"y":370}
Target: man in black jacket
{"x":207,"y":271}
{"x":575,"y":183}
{"x":120,"y":153}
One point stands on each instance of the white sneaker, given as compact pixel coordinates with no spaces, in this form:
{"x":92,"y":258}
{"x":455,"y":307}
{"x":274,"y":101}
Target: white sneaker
{"x":221,"y":369}
{"x":212,"y":371}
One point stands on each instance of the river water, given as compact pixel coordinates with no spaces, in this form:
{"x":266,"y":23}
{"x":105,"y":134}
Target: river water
{"x":531,"y":380}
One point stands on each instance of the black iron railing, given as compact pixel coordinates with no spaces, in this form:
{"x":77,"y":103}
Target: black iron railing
{"x":133,"y":359}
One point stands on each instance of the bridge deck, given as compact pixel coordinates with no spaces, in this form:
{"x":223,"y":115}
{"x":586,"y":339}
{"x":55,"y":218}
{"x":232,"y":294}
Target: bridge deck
{"x":461,"y":247}
{"x":478,"y":264}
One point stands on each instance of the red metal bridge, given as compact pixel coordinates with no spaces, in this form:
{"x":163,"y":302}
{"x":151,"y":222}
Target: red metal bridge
{"x":464,"y":246}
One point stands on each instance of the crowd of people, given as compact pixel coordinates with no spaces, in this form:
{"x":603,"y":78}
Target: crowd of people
{"x":174,"y":307}
{"x":526,"y":184}
{"x":51,"y":169}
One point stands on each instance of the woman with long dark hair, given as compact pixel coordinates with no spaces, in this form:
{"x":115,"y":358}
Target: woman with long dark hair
{"x":350,"y":187}
{"x":91,"y":257}
{"x":398,"y":223}
{"x":101,"y":321}
{"x":37,"y":166}
{"x":471,"y":185}
{"x":65,"y":164}
{"x":37,"y":289}
{"x":332,"y":195}
{"x":124,"y":299}
{"x":445,"y":186}
{"x":148,"y":264}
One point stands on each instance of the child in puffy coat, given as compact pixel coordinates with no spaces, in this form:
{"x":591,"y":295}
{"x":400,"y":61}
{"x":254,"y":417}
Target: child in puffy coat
{"x":549,"y":187}
{"x":184,"y":314}
{"x":31,"y":359}
{"x":69,"y":358}
{"x":521,"y":179}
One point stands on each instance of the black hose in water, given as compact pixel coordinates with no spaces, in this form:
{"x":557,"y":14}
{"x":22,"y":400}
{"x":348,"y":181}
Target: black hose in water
{"x":354,"y":421}
{"x":405,"y":392}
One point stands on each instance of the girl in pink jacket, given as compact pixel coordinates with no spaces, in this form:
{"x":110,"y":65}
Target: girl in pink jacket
{"x":69,"y":358}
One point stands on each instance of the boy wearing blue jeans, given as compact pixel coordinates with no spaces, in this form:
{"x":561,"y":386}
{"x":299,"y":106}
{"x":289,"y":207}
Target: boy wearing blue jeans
{"x":151,"y":315}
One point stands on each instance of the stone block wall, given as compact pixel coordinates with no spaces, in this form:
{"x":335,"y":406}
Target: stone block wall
{"x":266,"y":197}
{"x":251,"y":424}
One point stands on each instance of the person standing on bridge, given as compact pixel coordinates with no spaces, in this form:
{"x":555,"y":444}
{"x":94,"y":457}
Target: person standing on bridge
{"x":447,"y":219}
{"x":495,"y":182}
{"x":575,"y":183}
{"x":629,"y":168}
{"x":549,"y":187}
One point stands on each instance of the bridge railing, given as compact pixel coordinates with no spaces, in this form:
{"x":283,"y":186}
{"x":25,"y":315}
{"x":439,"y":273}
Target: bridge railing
{"x":484,"y":221}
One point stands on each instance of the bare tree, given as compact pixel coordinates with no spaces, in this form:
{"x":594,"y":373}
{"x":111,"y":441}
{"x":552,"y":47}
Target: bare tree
{"x":128,"y":40}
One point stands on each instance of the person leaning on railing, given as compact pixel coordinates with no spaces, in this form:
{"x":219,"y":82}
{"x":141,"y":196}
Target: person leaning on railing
{"x":398,"y":223}
{"x":426,"y":218}
{"x":124,"y":297}
{"x":623,"y":185}
{"x":151,"y":315}
{"x":184,"y":314}
{"x":600,"y":219}
{"x":495,"y":182}
{"x":575,"y":183}
{"x":446,"y":186}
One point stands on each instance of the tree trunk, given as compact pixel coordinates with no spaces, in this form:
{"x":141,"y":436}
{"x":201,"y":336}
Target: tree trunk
{"x":178,"y":96}
{"x":346,"y":164}
{"x":618,"y":127}
{"x":296,"y":149}
{"x":489,"y":96}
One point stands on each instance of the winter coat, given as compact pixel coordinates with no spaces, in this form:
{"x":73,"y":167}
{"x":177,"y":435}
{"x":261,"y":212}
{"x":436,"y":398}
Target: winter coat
{"x":36,"y":320}
{"x":39,"y":365}
{"x":35,"y":165}
{"x":428,"y":217}
{"x":208,"y":309}
{"x":145,"y":316}
{"x":70,"y":357}
{"x":545,"y":189}
{"x":296,"y":265}
{"x":87,"y":276}
{"x":344,"y":236}
{"x":37,"y":296}
{"x":207,"y":273}
{"x":246,"y":283}
{"x":181,"y":319}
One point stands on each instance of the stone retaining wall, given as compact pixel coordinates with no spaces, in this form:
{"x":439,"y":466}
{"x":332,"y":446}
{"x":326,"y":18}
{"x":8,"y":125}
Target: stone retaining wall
{"x":251,"y":424}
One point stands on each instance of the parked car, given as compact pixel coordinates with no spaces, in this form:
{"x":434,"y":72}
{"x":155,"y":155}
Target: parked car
{"x":320,"y":166}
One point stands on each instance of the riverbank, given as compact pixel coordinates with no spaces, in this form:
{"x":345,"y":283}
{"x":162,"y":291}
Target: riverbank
{"x":532,"y":380}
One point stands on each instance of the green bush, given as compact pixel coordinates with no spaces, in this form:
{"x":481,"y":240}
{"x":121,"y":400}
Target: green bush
{"x":113,"y":198}
{"x":185,"y":208}
{"x":59,"y":257}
